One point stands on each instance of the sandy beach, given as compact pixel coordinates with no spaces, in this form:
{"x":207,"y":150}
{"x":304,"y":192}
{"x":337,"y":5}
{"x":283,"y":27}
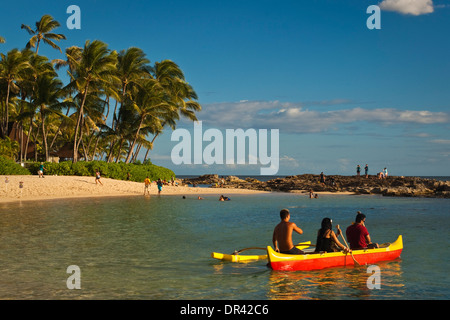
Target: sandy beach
{"x":59,"y":187}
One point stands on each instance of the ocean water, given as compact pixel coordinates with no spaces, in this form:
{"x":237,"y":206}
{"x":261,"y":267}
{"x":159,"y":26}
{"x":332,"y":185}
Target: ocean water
{"x":159,"y":248}
{"x":267,"y":178}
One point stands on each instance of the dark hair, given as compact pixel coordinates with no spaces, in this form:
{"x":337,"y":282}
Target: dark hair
{"x":326,"y":225}
{"x":284,"y":213}
{"x":360,"y":217}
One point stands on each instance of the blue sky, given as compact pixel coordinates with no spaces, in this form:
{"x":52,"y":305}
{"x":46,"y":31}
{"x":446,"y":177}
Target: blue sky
{"x":339,"y":93}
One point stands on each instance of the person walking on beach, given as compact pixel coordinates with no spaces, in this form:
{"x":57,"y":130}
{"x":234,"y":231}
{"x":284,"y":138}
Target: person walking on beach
{"x":357,"y":234}
{"x":326,"y":238}
{"x":159,"y":183}
{"x":147,"y":183}
{"x":282,"y":234}
{"x":366,"y":170}
{"x":97,"y":177}
{"x":41,"y":170}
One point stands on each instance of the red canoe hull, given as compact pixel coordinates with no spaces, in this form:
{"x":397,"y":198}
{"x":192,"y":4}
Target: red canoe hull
{"x":283,"y":262}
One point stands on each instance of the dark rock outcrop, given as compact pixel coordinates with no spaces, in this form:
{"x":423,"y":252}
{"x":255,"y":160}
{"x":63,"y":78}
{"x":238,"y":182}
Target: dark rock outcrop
{"x":392,"y":186}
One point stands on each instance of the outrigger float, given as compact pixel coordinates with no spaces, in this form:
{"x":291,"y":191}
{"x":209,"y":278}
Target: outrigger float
{"x":236,"y":257}
{"x":316,"y":260}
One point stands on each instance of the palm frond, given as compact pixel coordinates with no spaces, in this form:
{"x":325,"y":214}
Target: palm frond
{"x":52,"y":44}
{"x":27,"y":28}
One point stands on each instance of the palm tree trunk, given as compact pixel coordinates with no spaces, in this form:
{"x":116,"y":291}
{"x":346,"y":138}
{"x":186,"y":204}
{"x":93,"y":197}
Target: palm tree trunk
{"x":84,"y":150}
{"x":28,"y":138}
{"x":35,"y":143}
{"x":21,"y":141}
{"x":146,"y":154}
{"x":75,"y":144}
{"x":59,"y":129}
{"x":37,"y":46}
{"x":156,"y":135}
{"x":95,"y":147}
{"x":88,"y":147}
{"x":110,"y":155}
{"x":138,"y":149}
{"x":130,"y":152}
{"x":44,"y":136}
{"x":6,"y":118}
{"x":119,"y":149}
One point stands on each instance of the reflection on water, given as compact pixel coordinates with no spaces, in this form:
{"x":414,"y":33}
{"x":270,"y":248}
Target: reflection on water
{"x":159,"y":248}
{"x":336,"y":283}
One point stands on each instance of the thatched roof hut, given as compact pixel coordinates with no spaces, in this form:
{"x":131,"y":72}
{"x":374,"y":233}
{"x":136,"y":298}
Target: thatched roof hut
{"x":15,"y":133}
{"x":65,"y":152}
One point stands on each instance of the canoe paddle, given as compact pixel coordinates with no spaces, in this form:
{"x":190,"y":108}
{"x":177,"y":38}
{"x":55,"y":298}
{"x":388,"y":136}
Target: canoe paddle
{"x":259,"y":248}
{"x":251,"y":248}
{"x":345,"y":241}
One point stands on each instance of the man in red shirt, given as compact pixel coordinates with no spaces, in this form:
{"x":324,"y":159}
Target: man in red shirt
{"x":357,"y":234}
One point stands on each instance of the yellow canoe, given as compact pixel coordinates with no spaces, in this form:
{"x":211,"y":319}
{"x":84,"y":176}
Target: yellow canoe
{"x":314,"y":261}
{"x":248,"y":257}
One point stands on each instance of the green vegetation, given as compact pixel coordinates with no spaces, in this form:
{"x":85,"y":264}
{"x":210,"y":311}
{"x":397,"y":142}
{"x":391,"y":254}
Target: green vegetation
{"x":45,"y":115}
{"x":138,"y":172}
{"x":9,"y":167}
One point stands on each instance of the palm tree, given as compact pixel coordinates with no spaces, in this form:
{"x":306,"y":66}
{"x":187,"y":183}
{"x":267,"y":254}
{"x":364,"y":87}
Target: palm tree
{"x":46,"y":98}
{"x":73,"y":55}
{"x":149,"y":104}
{"x":132,"y":68}
{"x":39,"y":66}
{"x":180,"y":94}
{"x":95,"y":68}
{"x":12,"y":67}
{"x":43,"y":32}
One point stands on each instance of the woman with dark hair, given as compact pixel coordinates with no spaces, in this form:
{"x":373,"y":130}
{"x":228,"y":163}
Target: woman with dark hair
{"x":326,"y":238}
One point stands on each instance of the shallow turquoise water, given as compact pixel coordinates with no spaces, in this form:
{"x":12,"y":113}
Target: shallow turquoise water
{"x":159,"y":248}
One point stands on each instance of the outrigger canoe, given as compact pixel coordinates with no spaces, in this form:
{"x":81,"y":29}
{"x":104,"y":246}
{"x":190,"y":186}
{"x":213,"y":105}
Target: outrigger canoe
{"x":236,"y":257}
{"x":314,"y":261}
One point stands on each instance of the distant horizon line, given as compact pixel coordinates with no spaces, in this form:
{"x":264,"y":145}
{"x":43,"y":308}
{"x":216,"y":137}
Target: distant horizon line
{"x":315,"y":174}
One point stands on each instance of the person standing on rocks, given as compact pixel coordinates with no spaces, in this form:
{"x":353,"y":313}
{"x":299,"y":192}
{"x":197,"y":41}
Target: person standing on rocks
{"x":358,"y":170}
{"x":322,"y":179}
{"x":366,"y":170}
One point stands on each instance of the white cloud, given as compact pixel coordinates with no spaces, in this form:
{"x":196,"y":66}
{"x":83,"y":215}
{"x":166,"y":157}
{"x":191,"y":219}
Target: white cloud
{"x":344,"y":163}
{"x":441,"y":141}
{"x":413,"y":7}
{"x":160,"y":157}
{"x":293,"y":117}
{"x":289,"y":162}
{"x":419,"y":135}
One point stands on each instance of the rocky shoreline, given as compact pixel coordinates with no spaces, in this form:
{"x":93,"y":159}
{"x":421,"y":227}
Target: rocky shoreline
{"x":394,"y":186}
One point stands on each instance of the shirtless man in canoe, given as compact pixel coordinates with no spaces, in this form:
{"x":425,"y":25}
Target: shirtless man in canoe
{"x":282,"y":235}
